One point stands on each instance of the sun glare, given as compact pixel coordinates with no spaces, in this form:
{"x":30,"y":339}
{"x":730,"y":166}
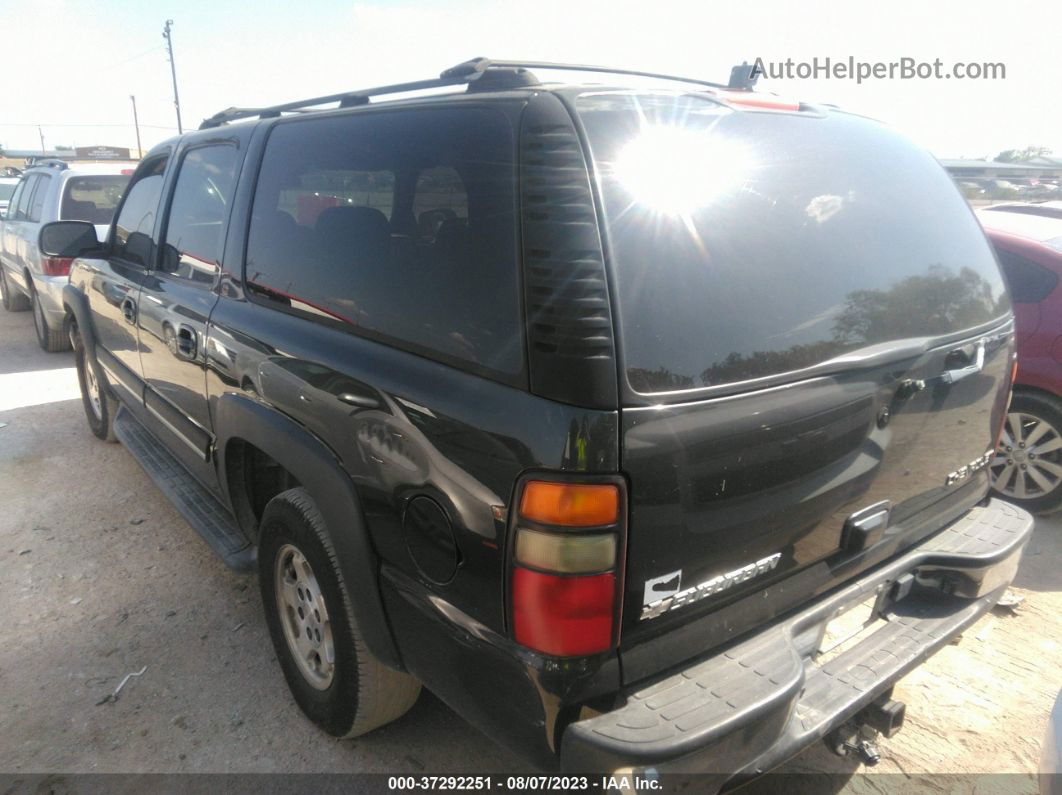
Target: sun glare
{"x":675,"y":170}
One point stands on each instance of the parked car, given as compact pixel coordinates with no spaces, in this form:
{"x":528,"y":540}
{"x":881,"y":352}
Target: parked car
{"x":52,"y":190}
{"x":7,"y":188}
{"x":1027,"y":468}
{"x":1049,"y":209}
{"x":620,"y":418}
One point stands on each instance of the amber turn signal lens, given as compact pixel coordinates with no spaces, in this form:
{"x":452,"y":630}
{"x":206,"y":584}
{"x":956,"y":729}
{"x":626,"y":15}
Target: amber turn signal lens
{"x":570,"y":504}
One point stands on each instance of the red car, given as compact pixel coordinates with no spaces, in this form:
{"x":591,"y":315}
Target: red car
{"x":1028,"y":466}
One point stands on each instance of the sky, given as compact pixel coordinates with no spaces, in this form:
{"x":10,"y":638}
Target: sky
{"x":71,"y":65}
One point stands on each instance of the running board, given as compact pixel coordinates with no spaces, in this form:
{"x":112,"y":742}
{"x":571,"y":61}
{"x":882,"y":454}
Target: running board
{"x":197,"y":505}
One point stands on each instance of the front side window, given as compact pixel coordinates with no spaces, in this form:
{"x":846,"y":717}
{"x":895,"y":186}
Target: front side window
{"x":396,"y":225}
{"x":92,"y":199}
{"x":7,"y":190}
{"x":40,"y":193}
{"x":12,"y":207}
{"x":198,"y":212}
{"x":135,"y":227}
{"x":28,"y":184}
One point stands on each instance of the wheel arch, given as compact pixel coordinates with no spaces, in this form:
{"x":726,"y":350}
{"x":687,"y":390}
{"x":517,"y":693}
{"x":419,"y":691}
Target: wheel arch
{"x":241,"y":421}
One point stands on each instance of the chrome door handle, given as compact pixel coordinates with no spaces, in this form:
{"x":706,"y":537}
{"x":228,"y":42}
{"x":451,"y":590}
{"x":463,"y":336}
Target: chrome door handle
{"x":187,"y":341}
{"x":953,"y":376}
{"x":129,"y":309}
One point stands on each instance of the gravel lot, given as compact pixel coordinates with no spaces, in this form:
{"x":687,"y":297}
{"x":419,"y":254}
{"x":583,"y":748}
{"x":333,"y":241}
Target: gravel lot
{"x":101,"y":577}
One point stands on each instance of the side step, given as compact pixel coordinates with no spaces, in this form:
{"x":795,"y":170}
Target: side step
{"x":197,"y":505}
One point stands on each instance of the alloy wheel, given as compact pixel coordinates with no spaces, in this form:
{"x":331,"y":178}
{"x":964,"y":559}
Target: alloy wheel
{"x":1028,"y":462}
{"x":304,"y":617}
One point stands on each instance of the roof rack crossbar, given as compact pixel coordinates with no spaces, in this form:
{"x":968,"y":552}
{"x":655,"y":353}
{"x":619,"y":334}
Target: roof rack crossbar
{"x":463,"y":73}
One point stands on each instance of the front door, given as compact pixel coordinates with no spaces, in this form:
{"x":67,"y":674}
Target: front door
{"x":113,"y":286}
{"x":176,"y":300}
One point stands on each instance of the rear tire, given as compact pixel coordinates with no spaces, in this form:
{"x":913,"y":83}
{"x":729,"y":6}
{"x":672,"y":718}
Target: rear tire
{"x":333,"y":676}
{"x":12,"y":299}
{"x":1027,"y":469}
{"x":50,"y":339}
{"x":100,"y":405}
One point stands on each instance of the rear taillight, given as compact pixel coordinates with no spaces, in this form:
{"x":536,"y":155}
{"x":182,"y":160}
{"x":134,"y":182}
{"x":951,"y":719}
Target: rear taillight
{"x":567,"y":565}
{"x":56,"y":266}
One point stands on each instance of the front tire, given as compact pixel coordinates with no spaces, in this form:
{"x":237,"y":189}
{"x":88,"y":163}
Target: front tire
{"x":1027,"y":469}
{"x":50,"y":339}
{"x":333,"y":676}
{"x":12,"y":299}
{"x":100,"y":405}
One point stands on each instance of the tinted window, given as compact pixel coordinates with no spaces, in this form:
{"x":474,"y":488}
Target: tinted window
{"x":92,"y":199}
{"x":40,"y":193}
{"x":439,"y":196}
{"x":352,"y":253}
{"x":749,"y":244}
{"x":12,"y":207}
{"x":135,"y":226}
{"x":198,"y":213}
{"x":1029,"y":282}
{"x":28,"y":184}
{"x":7,"y":189}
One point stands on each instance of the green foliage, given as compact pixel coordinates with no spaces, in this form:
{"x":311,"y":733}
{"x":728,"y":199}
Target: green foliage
{"x":1021,"y":155}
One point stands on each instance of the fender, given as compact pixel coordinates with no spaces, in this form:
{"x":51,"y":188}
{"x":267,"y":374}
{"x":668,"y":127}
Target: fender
{"x":316,"y":468}
{"x":77,"y":304}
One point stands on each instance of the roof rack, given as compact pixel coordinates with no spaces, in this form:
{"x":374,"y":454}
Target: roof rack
{"x":498,"y":74}
{"x":50,"y":162}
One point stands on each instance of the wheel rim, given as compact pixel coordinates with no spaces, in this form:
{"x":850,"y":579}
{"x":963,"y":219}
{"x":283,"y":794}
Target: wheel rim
{"x":93,"y":387}
{"x":304,"y":617}
{"x":1028,"y":462}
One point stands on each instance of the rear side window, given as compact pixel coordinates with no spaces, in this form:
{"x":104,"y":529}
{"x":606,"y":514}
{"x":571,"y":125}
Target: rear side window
{"x":40,"y":193}
{"x":92,"y":199}
{"x":1029,"y":282}
{"x":747,"y":244}
{"x":12,"y":207}
{"x":134,"y":230}
{"x":398,"y":226}
{"x":198,"y":212}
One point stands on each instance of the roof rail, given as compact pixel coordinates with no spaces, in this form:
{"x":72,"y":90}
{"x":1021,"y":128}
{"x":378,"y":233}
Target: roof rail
{"x":465,"y":73}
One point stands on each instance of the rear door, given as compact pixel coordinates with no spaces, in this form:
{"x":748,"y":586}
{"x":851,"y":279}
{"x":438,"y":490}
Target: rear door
{"x":177,"y":296}
{"x":30,"y":227}
{"x":17,"y":215}
{"x":8,"y":233}
{"x":816,"y":345}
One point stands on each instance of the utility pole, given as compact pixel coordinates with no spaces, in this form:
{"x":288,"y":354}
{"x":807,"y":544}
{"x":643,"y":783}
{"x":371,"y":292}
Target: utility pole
{"x":166,"y":34}
{"x":136,"y":124}
{"x":40,"y":132}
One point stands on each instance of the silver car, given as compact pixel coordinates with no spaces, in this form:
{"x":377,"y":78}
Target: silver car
{"x":52,"y":191}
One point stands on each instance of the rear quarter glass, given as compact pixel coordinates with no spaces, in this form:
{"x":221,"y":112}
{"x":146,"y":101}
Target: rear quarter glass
{"x":749,"y":244}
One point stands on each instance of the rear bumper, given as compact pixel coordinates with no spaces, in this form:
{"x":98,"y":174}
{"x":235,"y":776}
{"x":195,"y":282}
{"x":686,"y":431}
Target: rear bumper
{"x":746,"y":710}
{"x":50,"y":293}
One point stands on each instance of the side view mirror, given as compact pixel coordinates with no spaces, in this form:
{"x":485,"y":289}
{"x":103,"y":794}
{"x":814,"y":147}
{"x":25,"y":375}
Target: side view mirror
{"x":68,"y":239}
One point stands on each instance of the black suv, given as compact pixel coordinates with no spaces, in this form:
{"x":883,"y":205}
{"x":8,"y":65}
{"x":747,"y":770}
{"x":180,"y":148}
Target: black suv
{"x":645,"y":426}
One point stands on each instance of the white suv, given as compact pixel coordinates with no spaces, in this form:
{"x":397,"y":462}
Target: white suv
{"x":52,"y":191}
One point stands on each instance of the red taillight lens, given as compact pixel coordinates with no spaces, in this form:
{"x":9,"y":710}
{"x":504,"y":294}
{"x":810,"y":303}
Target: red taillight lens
{"x":567,"y":557}
{"x":563,"y":616}
{"x":56,"y":266}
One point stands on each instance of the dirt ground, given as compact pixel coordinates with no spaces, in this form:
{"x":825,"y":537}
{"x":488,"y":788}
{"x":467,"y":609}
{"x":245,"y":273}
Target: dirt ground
{"x":101,"y":578}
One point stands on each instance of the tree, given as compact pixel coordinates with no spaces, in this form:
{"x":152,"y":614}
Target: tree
{"x":1021,"y":155}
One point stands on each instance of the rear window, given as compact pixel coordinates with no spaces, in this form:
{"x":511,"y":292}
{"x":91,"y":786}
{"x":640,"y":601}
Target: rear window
{"x":749,"y":244}
{"x":92,"y":199}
